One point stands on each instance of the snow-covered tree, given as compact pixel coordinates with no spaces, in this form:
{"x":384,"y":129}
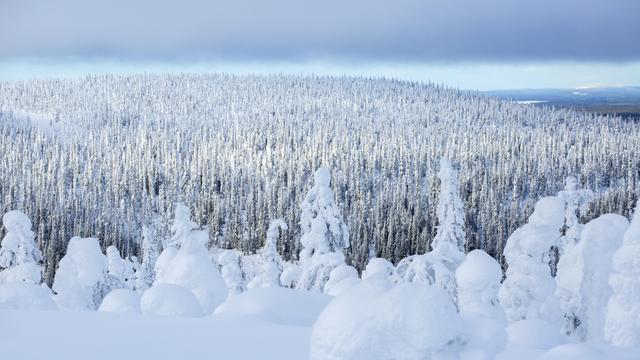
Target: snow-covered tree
{"x":146,"y":274}
{"x":231,"y":263}
{"x":325,"y":235}
{"x":19,"y":255}
{"x":622,"y":326}
{"x":120,"y":271}
{"x":528,"y":291}
{"x":270,"y":262}
{"x":576,"y":201}
{"x":478,"y":279}
{"x":191,"y":266}
{"x":81,"y":281}
{"x":439,"y":265}
{"x":583,"y":277}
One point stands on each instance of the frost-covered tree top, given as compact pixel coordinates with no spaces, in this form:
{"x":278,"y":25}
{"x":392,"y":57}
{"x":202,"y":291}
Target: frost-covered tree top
{"x":323,"y":228}
{"x":18,"y":245}
{"x":182,"y":226}
{"x":450,"y":237}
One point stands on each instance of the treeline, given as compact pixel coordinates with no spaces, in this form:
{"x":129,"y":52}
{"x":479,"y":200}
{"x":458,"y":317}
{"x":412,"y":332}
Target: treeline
{"x":104,"y":156}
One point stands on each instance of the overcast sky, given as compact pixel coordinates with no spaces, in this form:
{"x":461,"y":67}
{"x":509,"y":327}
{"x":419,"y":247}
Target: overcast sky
{"x":538,"y":43}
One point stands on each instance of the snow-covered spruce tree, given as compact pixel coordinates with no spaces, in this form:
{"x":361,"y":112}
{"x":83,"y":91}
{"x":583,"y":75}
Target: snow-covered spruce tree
{"x":622,"y":326}
{"x":231,"y":269}
{"x":528,"y":290}
{"x":190,"y":266}
{"x":81,"y":281}
{"x":583,"y":277}
{"x":324,"y":234}
{"x":576,"y":201}
{"x":270,"y":262}
{"x":439,"y":265}
{"x":120,"y":271}
{"x":146,"y":274}
{"x":19,"y":255}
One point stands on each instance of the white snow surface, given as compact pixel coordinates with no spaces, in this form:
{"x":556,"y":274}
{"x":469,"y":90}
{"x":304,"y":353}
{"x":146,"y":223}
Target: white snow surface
{"x":379,"y":320}
{"x":276,"y":305}
{"x":17,"y":296}
{"x":170,"y":300}
{"x":121,"y":301}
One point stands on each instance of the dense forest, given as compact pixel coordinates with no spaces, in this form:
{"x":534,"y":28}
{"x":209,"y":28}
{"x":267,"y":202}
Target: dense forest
{"x":104,"y":156}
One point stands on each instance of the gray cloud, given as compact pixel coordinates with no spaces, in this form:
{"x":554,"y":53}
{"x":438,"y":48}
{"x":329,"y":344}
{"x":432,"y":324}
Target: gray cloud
{"x":290,"y":30}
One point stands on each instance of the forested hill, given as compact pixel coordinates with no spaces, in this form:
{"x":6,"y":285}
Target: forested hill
{"x":102,"y":156}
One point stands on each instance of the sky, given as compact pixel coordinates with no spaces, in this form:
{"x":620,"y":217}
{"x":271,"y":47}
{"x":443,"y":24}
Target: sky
{"x":489,"y":44}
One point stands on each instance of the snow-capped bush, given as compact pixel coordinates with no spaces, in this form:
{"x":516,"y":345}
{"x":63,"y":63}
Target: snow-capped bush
{"x":121,"y":301}
{"x":622,"y":326}
{"x":377,"y":320}
{"x":478,"y":280}
{"x":231,"y":263}
{"x":120,"y":271}
{"x":270,"y":262}
{"x":528,"y":291}
{"x":81,"y":281}
{"x":378,"y":268}
{"x":19,"y":255}
{"x":26,"y":296}
{"x":170,"y":300}
{"x":290,"y":274}
{"x":324,"y":234}
{"x":341,"y":279}
{"x":583,"y":276}
{"x":277,"y":305}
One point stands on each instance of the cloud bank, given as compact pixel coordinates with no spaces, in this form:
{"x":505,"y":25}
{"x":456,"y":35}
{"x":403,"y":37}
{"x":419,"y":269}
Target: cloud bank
{"x":296,"y":30}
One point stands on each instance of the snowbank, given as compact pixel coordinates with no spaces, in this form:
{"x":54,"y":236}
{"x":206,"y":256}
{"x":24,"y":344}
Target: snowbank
{"x":170,"y":300}
{"x":16,"y":296}
{"x":377,"y":320}
{"x":121,"y":301}
{"x":276,"y":305}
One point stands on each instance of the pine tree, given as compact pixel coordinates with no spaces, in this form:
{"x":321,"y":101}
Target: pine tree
{"x":19,"y":255}
{"x":270,"y":262}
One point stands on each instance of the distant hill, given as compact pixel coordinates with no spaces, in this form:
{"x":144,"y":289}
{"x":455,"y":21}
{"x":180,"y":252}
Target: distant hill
{"x":622,"y":100}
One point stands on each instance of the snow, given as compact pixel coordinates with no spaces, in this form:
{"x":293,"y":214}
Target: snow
{"x":170,"y":300}
{"x":276,"y":305}
{"x":19,"y":254}
{"x":108,"y":336}
{"x":535,"y":334}
{"x":81,"y":279}
{"x":622,"y":327}
{"x":121,"y":301}
{"x":341,"y":279}
{"x":379,"y":320}
{"x":378,"y":268}
{"x":24,"y":296}
{"x":583,"y":276}
{"x":270,"y":262}
{"x":121,"y":271}
{"x":528,"y":291}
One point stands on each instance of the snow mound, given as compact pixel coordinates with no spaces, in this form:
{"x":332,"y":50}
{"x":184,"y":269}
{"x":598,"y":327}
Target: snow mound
{"x":276,"y":305}
{"x":341,"y":279}
{"x":535,"y":334}
{"x":121,"y":301}
{"x":17,"y":296}
{"x":376,"y":320}
{"x":378,"y":268}
{"x":170,"y":300}
{"x":478,"y":279}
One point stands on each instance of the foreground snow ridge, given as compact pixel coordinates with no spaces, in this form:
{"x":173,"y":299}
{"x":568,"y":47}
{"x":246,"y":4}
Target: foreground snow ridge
{"x":198,"y":300}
